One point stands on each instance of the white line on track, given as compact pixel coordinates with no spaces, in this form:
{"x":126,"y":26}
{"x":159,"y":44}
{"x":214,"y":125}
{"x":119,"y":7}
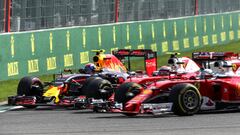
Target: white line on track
{"x":7,"y":108}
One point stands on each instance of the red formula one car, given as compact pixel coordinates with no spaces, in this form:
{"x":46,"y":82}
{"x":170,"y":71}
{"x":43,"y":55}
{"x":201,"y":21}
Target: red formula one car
{"x":178,"y":68}
{"x":216,"y":87}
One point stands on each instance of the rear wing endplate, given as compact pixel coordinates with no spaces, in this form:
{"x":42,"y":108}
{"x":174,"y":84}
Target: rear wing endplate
{"x":150,"y":58}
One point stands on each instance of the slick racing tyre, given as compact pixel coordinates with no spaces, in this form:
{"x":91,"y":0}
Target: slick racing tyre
{"x":130,"y":114}
{"x":90,"y":79}
{"x":30,"y":86}
{"x":186,"y":99}
{"x":127,"y":91}
{"x":98,"y":89}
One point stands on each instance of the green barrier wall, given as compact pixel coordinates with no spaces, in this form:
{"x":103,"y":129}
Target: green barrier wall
{"x":49,"y":51}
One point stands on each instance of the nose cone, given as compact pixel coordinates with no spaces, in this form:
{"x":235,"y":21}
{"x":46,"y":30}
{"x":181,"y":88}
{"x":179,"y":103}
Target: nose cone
{"x":132,"y":107}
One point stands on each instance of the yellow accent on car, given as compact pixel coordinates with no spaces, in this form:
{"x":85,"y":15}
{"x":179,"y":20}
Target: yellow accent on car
{"x":147,"y":91}
{"x":234,"y":67}
{"x":52,"y":92}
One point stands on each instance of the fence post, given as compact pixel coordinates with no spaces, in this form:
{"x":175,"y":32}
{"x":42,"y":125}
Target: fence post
{"x":7,"y":15}
{"x":116,"y":10}
{"x":4,"y":17}
{"x":196,"y":7}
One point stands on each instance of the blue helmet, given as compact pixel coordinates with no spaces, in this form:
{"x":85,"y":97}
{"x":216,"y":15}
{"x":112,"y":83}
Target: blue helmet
{"x":89,"y":68}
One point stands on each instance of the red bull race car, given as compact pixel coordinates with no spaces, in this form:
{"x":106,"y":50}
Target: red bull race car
{"x":95,"y":81}
{"x":124,"y":55}
{"x":216,"y":87}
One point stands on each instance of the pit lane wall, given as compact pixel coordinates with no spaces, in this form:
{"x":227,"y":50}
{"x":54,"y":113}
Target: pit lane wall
{"x":50,"y":51}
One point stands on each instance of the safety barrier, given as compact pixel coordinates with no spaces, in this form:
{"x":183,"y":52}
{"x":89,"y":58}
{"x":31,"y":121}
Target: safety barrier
{"x":49,"y":51}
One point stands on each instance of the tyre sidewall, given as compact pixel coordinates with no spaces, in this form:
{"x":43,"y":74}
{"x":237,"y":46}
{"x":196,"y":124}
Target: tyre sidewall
{"x":25,"y":86}
{"x":177,"y":94}
{"x":120,"y":93}
{"x":91,"y":90}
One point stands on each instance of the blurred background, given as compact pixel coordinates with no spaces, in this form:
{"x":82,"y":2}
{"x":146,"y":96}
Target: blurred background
{"x":24,"y":15}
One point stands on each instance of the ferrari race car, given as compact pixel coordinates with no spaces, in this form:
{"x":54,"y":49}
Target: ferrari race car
{"x":210,"y":90}
{"x":178,"y":68}
{"x":95,"y":81}
{"x":221,"y":63}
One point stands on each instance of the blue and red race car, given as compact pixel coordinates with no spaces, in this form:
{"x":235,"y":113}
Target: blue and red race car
{"x":95,"y":81}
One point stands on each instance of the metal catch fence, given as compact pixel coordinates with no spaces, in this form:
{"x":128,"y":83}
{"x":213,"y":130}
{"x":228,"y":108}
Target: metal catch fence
{"x":23,"y":15}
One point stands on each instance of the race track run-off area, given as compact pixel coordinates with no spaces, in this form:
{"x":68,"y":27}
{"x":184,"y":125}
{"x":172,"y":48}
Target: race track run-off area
{"x":59,"y":121}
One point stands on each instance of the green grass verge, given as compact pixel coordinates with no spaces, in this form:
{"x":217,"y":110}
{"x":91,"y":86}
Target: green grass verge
{"x":8,"y":88}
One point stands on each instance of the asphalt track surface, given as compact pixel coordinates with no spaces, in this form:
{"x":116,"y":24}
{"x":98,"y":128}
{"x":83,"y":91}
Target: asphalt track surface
{"x":56,"y":121}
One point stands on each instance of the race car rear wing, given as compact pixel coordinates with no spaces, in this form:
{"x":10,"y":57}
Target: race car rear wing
{"x":150,"y":58}
{"x":214,"y":55}
{"x":202,"y":57}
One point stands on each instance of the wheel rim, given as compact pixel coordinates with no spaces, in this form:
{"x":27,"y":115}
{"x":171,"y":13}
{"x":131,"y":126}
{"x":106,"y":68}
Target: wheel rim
{"x":36,"y":89}
{"x":106,"y":87}
{"x":135,"y":90}
{"x":190,"y":99}
{"x":36,"y":84}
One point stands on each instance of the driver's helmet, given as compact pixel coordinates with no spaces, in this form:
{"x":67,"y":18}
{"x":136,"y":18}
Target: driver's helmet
{"x":172,"y":60}
{"x":175,"y":65}
{"x":89,"y":68}
{"x":164,"y":70}
{"x":218,"y":67}
{"x":218,"y":64}
{"x":98,"y":59}
{"x":223,"y":67}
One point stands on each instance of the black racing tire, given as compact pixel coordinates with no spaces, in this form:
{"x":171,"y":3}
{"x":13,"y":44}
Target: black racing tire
{"x":30,"y":86}
{"x":86,"y":84}
{"x":121,"y":92}
{"x":130,"y":114}
{"x":92,"y":88}
{"x":90,"y":79}
{"x":186,"y":99}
